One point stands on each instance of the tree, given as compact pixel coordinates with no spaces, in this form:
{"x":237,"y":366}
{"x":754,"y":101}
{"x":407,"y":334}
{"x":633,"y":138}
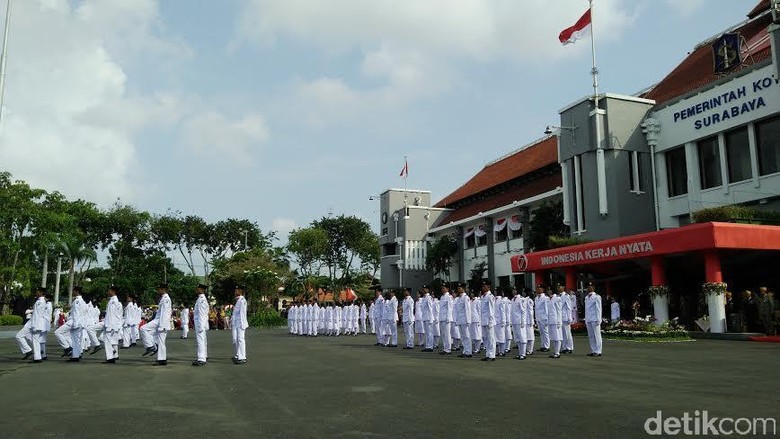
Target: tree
{"x":256,"y":270}
{"x":546,"y":221}
{"x":351,"y":244}
{"x":308,"y":246}
{"x":440,"y":255}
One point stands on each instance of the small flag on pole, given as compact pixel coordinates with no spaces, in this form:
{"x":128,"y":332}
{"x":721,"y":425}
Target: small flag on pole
{"x":405,"y":169}
{"x":580,"y":30}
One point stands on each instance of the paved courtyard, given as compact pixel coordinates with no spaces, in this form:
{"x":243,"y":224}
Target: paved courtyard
{"x":346,"y":387}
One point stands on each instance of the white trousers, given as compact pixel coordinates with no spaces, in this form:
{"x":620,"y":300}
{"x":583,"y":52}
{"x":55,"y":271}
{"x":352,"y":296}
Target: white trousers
{"x":429,"y":334}
{"x":148,"y":334}
{"x":409,"y":334}
{"x":38,"y":339}
{"x":162,"y":349}
{"x":594,"y":336}
{"x":568,"y":340}
{"x":202,"y":344}
{"x":185,"y":329}
{"x":508,"y":330}
{"x":239,"y":343}
{"x":520,"y":334}
{"x":489,"y":339}
{"x":465,"y":339}
{"x":63,"y":335}
{"x":24,"y":338}
{"x":392,"y":333}
{"x":91,"y":331}
{"x":76,"y":335}
{"x":129,"y":335}
{"x":544,"y":334}
{"x":363,"y":326}
{"x":111,"y":344}
{"x":446,"y":336}
{"x":476,"y":336}
{"x":530,"y":337}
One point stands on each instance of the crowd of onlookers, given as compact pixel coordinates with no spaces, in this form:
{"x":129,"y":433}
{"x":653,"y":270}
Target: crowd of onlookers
{"x":751,"y":312}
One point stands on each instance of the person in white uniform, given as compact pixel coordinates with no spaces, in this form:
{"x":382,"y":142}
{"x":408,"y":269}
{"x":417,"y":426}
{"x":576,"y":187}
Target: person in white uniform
{"x":593,"y":320}
{"x":488,"y":319}
{"x":112,"y":326}
{"x":38,"y":325}
{"x":540,"y":310}
{"x":371,"y":322}
{"x":239,"y":324}
{"x":45,"y":336}
{"x":555,"y":323}
{"x":391,"y":320}
{"x":462,"y":311}
{"x":24,"y":339}
{"x":78,"y":319}
{"x":445,"y":319}
{"x":500,"y":333}
{"x":201,"y":320}
{"x":379,"y":309}
{"x":155,"y":332}
{"x":567,"y":347}
{"x":517,"y":319}
{"x":362,"y":316}
{"x":614,"y":315}
{"x":184,"y":316}
{"x":419,"y":325}
{"x":529,"y":325}
{"x":407,"y":309}
{"x":428,"y":318}
{"x":574,"y":306}
{"x":476,"y":323}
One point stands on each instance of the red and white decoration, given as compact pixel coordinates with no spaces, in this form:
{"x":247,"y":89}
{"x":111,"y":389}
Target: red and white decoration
{"x":500,"y":225}
{"x":480,"y":231}
{"x":580,"y":30}
{"x":514,"y":223}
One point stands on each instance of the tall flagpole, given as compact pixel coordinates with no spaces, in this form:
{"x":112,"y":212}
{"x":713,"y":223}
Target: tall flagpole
{"x":594,"y":70}
{"x":598,"y":122}
{"x":3,"y":57}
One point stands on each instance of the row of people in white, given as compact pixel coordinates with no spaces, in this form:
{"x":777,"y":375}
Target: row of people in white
{"x":495,"y":321}
{"x":384,"y":319}
{"x":118,"y":322}
{"x":311,"y":319}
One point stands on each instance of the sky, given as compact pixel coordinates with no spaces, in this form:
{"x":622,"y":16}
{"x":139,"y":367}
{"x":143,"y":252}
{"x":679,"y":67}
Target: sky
{"x":282,"y":111}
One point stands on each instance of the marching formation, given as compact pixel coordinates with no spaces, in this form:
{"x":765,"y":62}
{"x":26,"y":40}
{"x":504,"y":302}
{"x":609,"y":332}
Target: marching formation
{"x":310,"y":319}
{"x":123,"y":326}
{"x":460,"y":322}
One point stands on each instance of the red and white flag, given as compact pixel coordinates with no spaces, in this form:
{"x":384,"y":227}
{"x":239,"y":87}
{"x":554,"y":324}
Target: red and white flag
{"x":581,"y":29}
{"x":405,"y":170}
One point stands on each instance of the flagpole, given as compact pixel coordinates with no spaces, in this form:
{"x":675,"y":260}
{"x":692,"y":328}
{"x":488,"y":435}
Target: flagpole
{"x":594,"y":70}
{"x":406,"y":176}
{"x":3,"y":57}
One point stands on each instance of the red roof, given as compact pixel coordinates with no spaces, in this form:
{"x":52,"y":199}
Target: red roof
{"x":535,"y":187}
{"x":697,"y":69}
{"x":529,"y":159}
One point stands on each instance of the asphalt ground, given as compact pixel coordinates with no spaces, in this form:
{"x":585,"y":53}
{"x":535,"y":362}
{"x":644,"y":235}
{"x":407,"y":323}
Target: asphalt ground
{"x":346,"y":387}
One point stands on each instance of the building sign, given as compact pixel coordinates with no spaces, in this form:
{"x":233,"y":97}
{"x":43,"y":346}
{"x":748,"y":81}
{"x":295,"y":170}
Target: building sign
{"x":737,"y":102}
{"x":596,"y":254}
{"x":690,"y":238}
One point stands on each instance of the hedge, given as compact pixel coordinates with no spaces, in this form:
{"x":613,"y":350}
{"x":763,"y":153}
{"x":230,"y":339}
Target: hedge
{"x":734,"y":213}
{"x":11,"y":320}
{"x":267,"y":318}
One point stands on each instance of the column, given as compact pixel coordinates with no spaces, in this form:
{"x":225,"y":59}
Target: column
{"x":571,"y":279}
{"x":660,"y":302}
{"x":715,"y":302}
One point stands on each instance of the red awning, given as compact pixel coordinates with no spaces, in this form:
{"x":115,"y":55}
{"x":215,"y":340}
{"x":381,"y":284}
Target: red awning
{"x":695,"y":237}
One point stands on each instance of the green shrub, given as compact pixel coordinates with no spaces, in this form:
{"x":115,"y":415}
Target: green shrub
{"x":267,"y":318}
{"x":11,"y":320}
{"x":734,"y":213}
{"x":558,"y":241}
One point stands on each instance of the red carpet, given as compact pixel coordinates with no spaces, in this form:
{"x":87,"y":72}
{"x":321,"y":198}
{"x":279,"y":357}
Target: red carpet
{"x":767,"y":339}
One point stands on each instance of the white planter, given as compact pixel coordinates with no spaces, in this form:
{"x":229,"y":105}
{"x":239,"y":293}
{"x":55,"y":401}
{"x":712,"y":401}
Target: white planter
{"x":661,"y":309}
{"x":717,"y":310}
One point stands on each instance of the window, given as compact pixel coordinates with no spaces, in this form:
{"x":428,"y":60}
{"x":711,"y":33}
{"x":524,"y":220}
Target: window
{"x":501,"y":235}
{"x":738,"y":155}
{"x":516,"y":234}
{"x":482,"y":240}
{"x":635,"y":171}
{"x":768,"y":139}
{"x":676,"y":172}
{"x":709,"y":163}
{"x":390,"y":249}
{"x":470,"y":241}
